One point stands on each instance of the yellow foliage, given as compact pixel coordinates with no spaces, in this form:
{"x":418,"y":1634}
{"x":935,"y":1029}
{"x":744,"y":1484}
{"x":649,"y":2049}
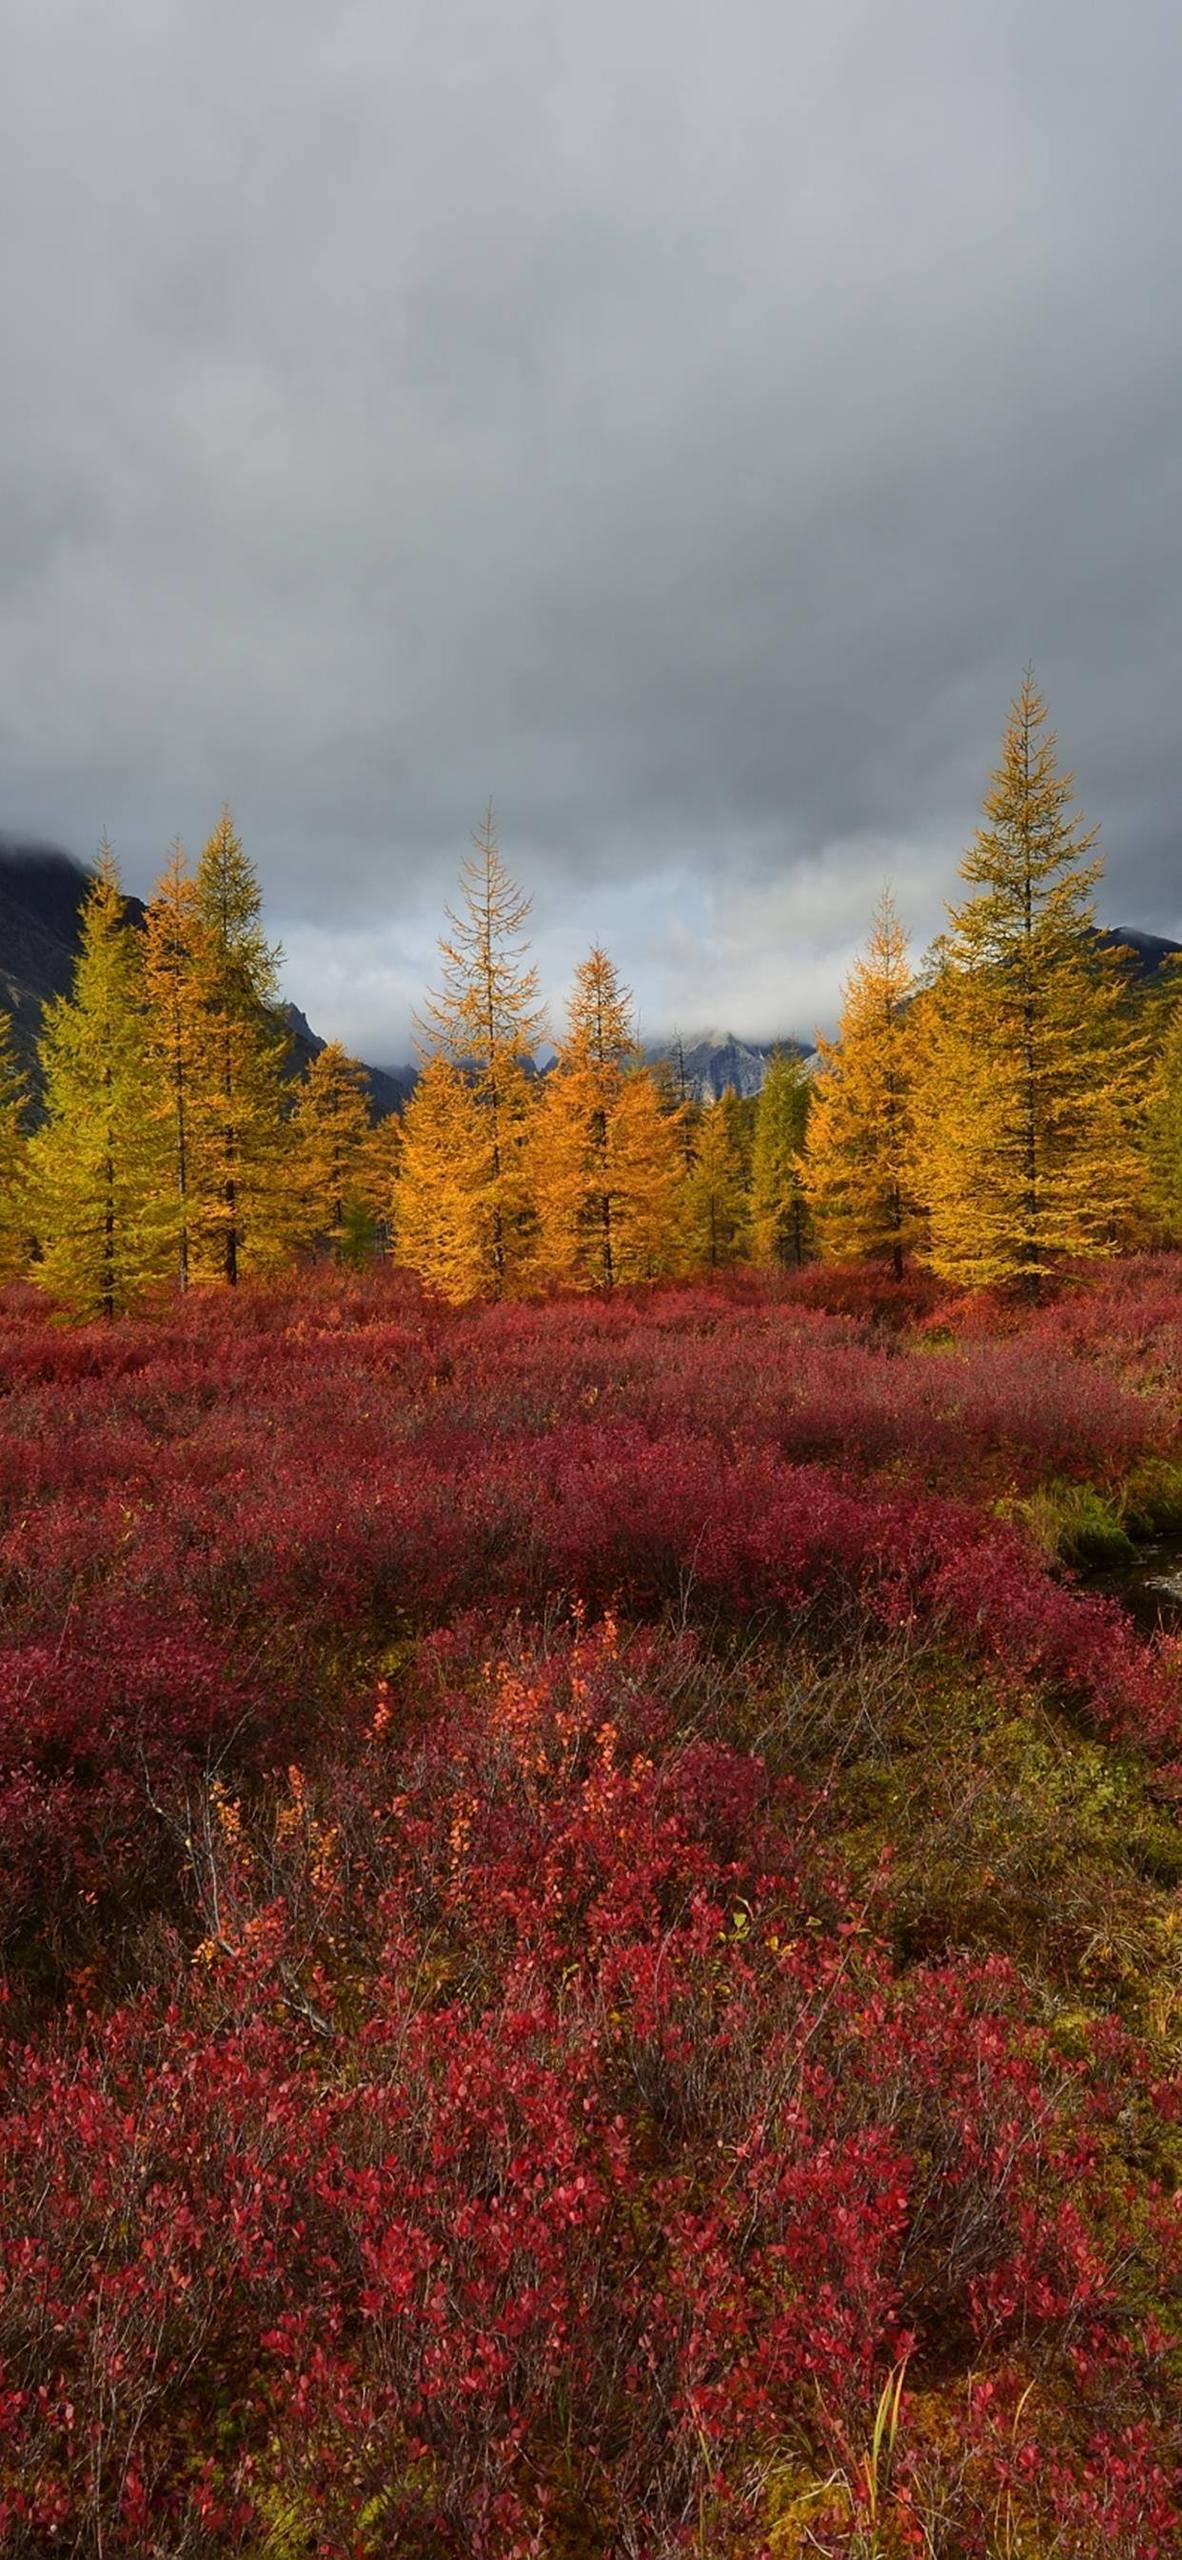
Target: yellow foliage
{"x":96,"y":1175}
{"x":603,"y":1156}
{"x":242,"y":1204}
{"x":1031,"y":1076}
{"x":646,"y":1139}
{"x":175,"y":1044}
{"x":486,"y":1019}
{"x":338,"y":1164}
{"x":14,"y":1160}
{"x":779,"y":1210}
{"x":717,"y":1208}
{"x":442,"y":1194}
{"x":1164,"y":1118}
{"x":858,"y":1171}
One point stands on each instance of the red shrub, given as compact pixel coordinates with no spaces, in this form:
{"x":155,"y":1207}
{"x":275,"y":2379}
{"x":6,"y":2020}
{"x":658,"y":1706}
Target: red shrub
{"x":202,"y":1519}
{"x":514,"y":2133}
{"x":538,"y":2126}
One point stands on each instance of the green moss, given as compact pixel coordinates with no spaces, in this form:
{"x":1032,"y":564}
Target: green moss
{"x":292,"y":2526}
{"x":800,"y":2504}
{"x":1007,"y":1829}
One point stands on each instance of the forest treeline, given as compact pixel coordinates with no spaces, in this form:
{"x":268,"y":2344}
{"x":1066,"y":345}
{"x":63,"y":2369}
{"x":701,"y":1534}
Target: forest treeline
{"x":1009,"y":1106}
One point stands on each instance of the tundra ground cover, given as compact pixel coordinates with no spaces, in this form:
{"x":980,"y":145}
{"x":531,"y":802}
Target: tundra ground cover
{"x":577,"y":1895}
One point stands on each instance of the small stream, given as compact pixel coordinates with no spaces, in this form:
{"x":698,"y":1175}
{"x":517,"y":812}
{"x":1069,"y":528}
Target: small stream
{"x":1148,"y":1585}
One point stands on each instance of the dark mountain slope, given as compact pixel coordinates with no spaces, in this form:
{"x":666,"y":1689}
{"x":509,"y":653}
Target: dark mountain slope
{"x":41,"y":895}
{"x":41,"y":892}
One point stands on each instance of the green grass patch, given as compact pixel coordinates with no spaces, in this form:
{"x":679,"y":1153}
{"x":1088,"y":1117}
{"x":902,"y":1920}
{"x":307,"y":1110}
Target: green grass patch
{"x":1152,"y":1499}
{"x":1075,"y":1523}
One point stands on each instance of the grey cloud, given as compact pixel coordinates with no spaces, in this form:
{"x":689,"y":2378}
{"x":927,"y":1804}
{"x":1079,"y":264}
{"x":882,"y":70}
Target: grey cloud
{"x":681,"y":423}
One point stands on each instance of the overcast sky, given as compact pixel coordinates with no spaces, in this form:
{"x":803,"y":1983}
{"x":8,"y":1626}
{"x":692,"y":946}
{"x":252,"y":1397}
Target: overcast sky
{"x":679,"y":422}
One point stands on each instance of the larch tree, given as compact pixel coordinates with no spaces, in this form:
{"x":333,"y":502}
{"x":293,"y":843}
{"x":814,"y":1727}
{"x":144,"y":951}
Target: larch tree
{"x":717,"y":1207}
{"x":442,"y":1194}
{"x":243,"y":1208}
{"x":15,"y":1231}
{"x":96,"y":1163}
{"x":176,"y":1042}
{"x":859,"y":1175}
{"x":779,"y":1209}
{"x":386,"y":1166}
{"x":1028,"y":1146}
{"x":486,"y":1018}
{"x":335,"y":1170}
{"x":1164,"y":1112}
{"x":674,"y":1085}
{"x":593,"y":1169}
{"x":648,"y":1173}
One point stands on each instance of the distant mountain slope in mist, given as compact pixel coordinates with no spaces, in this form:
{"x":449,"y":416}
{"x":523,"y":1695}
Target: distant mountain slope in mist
{"x":710,"y":1062}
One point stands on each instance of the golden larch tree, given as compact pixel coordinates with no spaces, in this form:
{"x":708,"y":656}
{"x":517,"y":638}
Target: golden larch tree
{"x":674,"y":1085}
{"x":1164,"y":1108}
{"x":649,"y":1177}
{"x":386,"y":1169}
{"x":242,"y":1203}
{"x":779,"y":1209}
{"x":487,"y":1019}
{"x":597,"y":1161}
{"x":336,"y":1169}
{"x":717,"y":1205}
{"x":96,"y":1163}
{"x":1032,"y":1071}
{"x":442,"y":1195}
{"x":858,"y":1170}
{"x":176,"y":1033}
{"x":15,"y":1226}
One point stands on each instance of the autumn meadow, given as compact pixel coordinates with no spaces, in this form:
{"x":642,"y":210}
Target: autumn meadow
{"x":590,"y":1753}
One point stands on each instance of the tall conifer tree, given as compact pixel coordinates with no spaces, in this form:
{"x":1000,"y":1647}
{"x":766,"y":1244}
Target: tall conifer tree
{"x":600,"y":1162}
{"x":243,"y":1211}
{"x":442,"y":1196}
{"x":1164,"y":1110}
{"x":1032,"y":1074}
{"x":335,"y":1164}
{"x":387,"y":1166}
{"x":646,"y":1144}
{"x":176,"y":1043}
{"x":717,"y":1208}
{"x":96,"y":1162}
{"x":858,"y":1172}
{"x":486,"y":1018}
{"x":671,"y":1077}
{"x":779,"y":1210}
